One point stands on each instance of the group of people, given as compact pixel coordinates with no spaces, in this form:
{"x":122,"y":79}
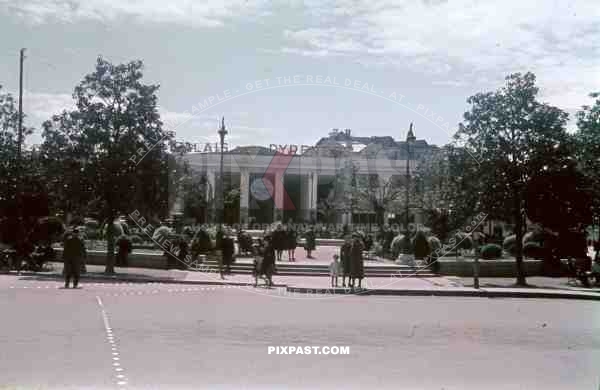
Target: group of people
{"x":285,"y":238}
{"x":351,"y":265}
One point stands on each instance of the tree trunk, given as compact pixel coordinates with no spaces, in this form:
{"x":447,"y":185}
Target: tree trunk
{"x":519,"y":237}
{"x":380,"y":216}
{"x":110,"y":247}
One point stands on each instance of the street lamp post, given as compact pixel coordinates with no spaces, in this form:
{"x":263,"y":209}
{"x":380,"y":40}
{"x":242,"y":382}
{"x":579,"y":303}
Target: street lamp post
{"x":221,"y":202}
{"x":410,"y":138}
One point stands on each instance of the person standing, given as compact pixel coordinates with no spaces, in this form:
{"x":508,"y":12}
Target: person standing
{"x":279,"y":241}
{"x":292,"y":242}
{"x":266,"y":265}
{"x":310,"y":242}
{"x":334,"y":270}
{"x":228,"y":251}
{"x":346,"y":252}
{"x":183,"y":252}
{"x":73,"y":252}
{"x":356,"y":265}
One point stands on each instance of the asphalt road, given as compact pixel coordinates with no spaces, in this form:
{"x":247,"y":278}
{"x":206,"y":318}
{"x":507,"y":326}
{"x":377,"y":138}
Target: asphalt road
{"x":191,"y":337}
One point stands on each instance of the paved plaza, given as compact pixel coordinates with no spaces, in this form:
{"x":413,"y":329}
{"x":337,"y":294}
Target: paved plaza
{"x":174,"y":336}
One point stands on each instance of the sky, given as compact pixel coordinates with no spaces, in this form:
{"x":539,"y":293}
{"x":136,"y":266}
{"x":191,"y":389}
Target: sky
{"x":381,"y":64}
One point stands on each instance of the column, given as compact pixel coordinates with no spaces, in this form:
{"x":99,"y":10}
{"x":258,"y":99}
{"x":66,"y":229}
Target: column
{"x":278,"y":198}
{"x":244,"y":196}
{"x":210,"y":195}
{"x":179,"y":204}
{"x":384,"y":180}
{"x":305,"y":189}
{"x":314,"y":186}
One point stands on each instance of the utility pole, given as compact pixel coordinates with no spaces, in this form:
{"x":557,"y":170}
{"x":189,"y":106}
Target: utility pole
{"x":20,"y":129}
{"x":221,"y":203}
{"x":410,"y":139}
{"x":20,"y":225}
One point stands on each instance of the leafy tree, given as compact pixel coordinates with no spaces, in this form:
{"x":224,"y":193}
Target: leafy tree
{"x":560,"y":199}
{"x":23,"y":197}
{"x":588,"y":148}
{"x":194,"y":187}
{"x":11,"y":174}
{"x":513,"y":137}
{"x":379,"y":195}
{"x":446,"y":191}
{"x":327,"y":209}
{"x":231,"y":203}
{"x":346,"y":183}
{"x":115,"y":140}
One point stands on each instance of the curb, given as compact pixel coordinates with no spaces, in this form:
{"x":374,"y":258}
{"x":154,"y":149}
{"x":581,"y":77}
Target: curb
{"x":451,"y":293}
{"x":482,"y":293}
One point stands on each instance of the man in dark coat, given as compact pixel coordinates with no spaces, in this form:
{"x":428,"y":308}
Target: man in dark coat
{"x":356,"y":265}
{"x":73,"y":252}
{"x":346,"y":257}
{"x":228,"y":251}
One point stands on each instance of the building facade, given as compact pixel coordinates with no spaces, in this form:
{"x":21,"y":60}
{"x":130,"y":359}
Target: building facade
{"x":284,"y":182}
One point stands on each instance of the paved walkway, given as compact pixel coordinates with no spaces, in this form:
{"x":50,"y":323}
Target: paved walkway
{"x":540,"y":287}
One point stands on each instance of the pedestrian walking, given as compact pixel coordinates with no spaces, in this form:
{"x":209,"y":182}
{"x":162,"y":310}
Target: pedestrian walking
{"x":335,"y":270}
{"x":346,"y":254}
{"x":73,"y":252}
{"x":264,"y":264}
{"x":356,"y":265}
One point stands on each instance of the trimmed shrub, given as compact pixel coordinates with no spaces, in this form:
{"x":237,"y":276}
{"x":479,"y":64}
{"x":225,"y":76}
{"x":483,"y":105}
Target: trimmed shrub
{"x":161,"y":233}
{"x":396,"y":246}
{"x":510,"y":244}
{"x":491,"y":251}
{"x":434,"y":245}
{"x":421,"y":245}
{"x":407,"y":245}
{"x":119,"y":229}
{"x":135,"y":239}
{"x":463,"y":241}
{"x":533,"y":250}
{"x":533,"y":236}
{"x":202,"y":243}
{"x":379,"y":252}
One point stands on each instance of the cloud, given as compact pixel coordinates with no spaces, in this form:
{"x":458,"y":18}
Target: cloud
{"x":42,"y":106}
{"x":212,"y":13}
{"x":463,"y":42}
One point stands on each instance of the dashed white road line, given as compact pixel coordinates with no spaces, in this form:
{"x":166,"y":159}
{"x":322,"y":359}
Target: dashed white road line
{"x":125,"y":291}
{"x":120,"y":378}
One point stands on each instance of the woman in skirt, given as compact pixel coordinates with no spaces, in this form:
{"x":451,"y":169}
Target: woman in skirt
{"x":264,"y":262}
{"x":292,"y":243}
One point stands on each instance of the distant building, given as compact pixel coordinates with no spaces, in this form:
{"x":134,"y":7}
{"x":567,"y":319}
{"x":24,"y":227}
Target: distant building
{"x":279,"y":186}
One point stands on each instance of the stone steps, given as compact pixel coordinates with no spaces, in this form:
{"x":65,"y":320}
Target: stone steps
{"x":323,"y":270}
